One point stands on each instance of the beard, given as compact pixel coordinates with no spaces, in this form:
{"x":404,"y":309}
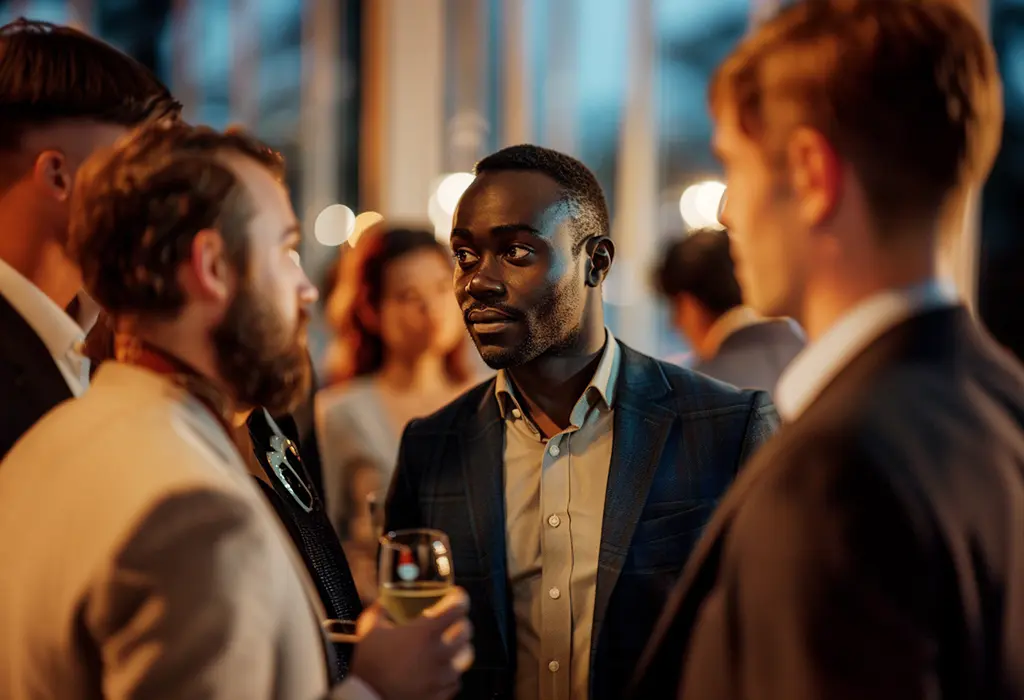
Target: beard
{"x":551,"y":326}
{"x":263,"y":361}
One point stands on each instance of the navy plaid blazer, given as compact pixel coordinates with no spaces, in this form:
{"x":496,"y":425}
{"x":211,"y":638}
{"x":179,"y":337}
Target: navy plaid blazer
{"x":679,"y":438}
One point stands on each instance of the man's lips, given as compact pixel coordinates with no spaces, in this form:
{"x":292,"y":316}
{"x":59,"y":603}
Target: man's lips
{"x":485,"y":321}
{"x":478,"y":316}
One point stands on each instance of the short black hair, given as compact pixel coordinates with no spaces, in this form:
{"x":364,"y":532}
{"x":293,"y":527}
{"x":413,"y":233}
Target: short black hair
{"x":49,"y":73}
{"x":579,"y":183}
{"x":701,"y":265}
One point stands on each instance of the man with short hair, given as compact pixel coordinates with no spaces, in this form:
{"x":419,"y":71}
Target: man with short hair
{"x":873,"y":549}
{"x":63,"y":94}
{"x":574,"y":484}
{"x":153,"y":567}
{"x":731,"y":341}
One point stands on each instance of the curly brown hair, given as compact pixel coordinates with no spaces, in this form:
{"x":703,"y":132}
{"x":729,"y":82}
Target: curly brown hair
{"x":137,"y":207}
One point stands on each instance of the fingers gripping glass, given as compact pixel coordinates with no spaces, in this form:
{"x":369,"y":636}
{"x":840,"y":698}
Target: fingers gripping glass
{"x":415,"y":572}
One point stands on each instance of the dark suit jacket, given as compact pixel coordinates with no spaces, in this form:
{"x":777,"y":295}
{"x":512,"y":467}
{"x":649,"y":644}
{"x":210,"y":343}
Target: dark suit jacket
{"x":754,"y":356}
{"x":30,"y":382}
{"x":875,"y":549}
{"x":678,"y":440}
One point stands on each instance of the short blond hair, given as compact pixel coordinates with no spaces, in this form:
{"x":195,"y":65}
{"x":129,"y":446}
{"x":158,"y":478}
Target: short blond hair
{"x":906,"y":91}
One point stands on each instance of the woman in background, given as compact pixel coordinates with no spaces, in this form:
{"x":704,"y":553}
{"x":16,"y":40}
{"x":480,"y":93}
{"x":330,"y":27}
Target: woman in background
{"x":400,"y":352}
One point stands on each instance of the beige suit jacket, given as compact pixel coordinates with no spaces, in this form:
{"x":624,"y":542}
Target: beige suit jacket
{"x":139,"y":560}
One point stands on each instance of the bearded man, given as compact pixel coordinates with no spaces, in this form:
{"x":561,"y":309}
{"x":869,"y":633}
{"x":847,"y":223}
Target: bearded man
{"x":154,"y":568}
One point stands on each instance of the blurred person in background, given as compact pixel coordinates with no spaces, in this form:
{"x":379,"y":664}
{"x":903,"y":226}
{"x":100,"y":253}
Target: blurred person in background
{"x":732,"y":342}
{"x":154,"y":568}
{"x":399,"y":352}
{"x":574,"y":484}
{"x":875,"y":547}
{"x":63,"y":95}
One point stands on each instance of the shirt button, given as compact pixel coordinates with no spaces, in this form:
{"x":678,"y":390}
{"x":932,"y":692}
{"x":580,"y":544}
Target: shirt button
{"x":553,"y":666}
{"x":516,"y":413}
{"x":554,"y":520}
{"x":553,"y":450}
{"x":555,"y":593}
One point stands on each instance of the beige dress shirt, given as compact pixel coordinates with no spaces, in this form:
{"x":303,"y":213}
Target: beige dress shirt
{"x":554,"y":501}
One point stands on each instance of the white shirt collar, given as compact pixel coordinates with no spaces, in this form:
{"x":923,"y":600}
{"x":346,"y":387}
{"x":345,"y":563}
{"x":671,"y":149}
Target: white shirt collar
{"x":820,"y":362}
{"x":61,"y":335}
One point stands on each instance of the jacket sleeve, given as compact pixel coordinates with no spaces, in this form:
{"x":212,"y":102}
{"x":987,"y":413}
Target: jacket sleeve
{"x":186,"y":608}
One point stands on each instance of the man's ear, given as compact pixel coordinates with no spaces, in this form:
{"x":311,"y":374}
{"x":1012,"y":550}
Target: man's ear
{"x":212,"y":275}
{"x":52,"y":172}
{"x":816,"y":175}
{"x":600,"y":253}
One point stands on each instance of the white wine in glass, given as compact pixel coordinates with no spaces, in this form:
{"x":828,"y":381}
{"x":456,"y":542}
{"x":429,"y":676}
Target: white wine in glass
{"x":415,"y":572}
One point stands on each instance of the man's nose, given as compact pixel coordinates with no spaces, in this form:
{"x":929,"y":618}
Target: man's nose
{"x":483,"y":285}
{"x":308,"y":293}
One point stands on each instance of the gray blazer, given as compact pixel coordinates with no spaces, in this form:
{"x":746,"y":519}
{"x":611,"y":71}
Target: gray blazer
{"x":141,"y":562}
{"x":754,"y":356}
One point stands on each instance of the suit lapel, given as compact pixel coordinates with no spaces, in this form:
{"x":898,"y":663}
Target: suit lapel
{"x":207,"y":429}
{"x":640,"y":426}
{"x":481,"y":451}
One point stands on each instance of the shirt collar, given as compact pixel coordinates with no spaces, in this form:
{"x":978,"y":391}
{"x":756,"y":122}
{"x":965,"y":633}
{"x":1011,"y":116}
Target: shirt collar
{"x":600,"y":390}
{"x":820,"y":362}
{"x":733,"y":320}
{"x":58,"y":331}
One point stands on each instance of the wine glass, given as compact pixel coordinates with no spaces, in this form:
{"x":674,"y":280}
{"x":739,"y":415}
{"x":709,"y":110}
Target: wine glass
{"x":415,"y":572}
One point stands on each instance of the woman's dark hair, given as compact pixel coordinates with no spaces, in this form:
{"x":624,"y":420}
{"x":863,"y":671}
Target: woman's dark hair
{"x":357,"y":350}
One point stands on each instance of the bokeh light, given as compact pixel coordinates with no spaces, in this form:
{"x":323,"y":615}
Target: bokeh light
{"x":699,"y":204}
{"x":334,"y":225}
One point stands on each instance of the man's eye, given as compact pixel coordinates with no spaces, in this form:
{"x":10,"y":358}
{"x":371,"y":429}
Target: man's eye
{"x":517,"y":252}
{"x":296,"y":258}
{"x":464,"y":256}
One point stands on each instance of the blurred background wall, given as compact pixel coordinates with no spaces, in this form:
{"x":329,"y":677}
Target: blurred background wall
{"x":384,"y":105}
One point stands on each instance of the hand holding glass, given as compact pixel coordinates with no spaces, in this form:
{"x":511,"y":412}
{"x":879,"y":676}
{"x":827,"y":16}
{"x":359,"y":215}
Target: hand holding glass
{"x":415,"y":572}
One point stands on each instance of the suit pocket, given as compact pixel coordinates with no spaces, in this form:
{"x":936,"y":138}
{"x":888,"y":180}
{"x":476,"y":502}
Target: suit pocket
{"x":667,"y":521}
{"x":663,"y":542}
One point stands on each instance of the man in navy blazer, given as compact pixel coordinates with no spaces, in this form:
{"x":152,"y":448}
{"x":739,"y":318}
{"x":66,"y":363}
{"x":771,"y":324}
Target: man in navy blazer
{"x":574,"y":484}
